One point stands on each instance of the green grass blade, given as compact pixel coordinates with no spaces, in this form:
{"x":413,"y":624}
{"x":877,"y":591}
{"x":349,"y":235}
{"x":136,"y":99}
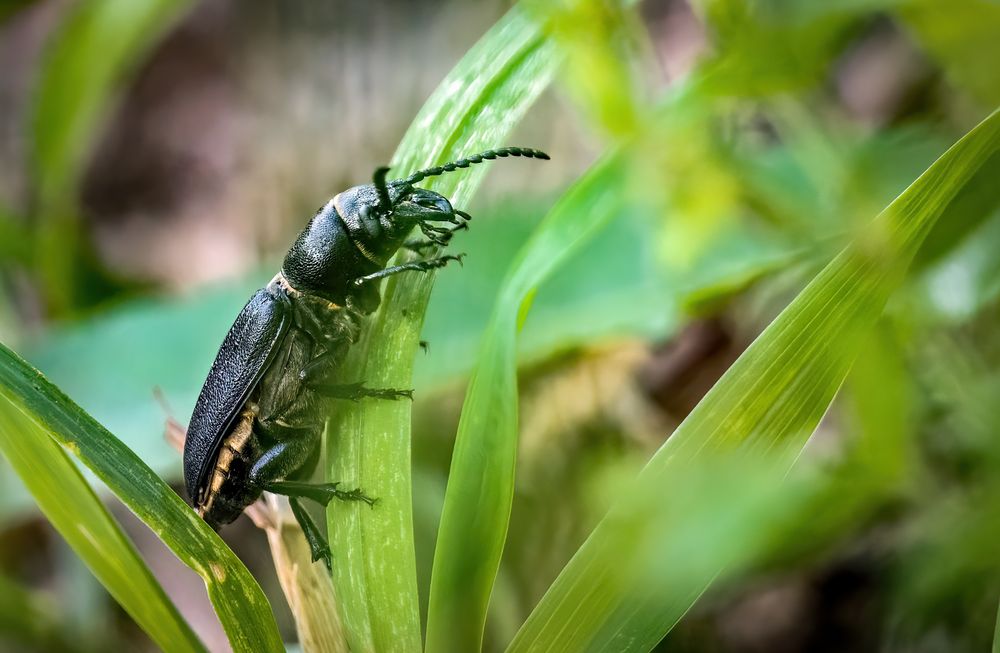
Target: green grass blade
{"x":241,"y":605}
{"x":99,"y":42}
{"x":76,"y":512}
{"x":474,"y":108}
{"x":769,"y":402}
{"x":481,"y":482}
{"x":996,"y":633}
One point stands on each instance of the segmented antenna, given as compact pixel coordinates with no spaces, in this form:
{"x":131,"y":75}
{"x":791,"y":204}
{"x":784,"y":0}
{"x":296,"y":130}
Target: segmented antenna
{"x":383,"y":191}
{"x":488,"y":155}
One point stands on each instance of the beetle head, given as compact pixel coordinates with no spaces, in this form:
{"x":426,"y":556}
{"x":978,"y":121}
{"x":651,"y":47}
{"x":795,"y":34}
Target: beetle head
{"x":380,"y":219}
{"x":381,"y":214}
{"x":359,"y":230}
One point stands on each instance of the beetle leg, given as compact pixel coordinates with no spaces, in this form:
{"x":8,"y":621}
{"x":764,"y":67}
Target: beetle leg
{"x":316,"y":374}
{"x":435,"y":238}
{"x":415,"y":266}
{"x":420,"y":246}
{"x":355,"y":391}
{"x":319,"y":368}
{"x":294,"y":449}
{"x":324,"y":321}
{"x":322,"y":493}
{"x":318,"y":546}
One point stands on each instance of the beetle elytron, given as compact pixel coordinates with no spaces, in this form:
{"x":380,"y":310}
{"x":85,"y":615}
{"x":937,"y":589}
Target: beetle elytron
{"x":256,"y":426}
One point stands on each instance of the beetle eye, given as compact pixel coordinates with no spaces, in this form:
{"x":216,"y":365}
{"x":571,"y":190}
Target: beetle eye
{"x":369,"y":222}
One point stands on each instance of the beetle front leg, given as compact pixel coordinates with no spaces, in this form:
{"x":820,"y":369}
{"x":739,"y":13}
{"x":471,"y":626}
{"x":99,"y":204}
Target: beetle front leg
{"x":435,"y":238}
{"x":414,"y":266}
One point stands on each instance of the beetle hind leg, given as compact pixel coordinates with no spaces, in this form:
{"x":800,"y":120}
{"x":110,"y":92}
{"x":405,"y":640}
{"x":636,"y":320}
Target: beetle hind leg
{"x":322,"y":493}
{"x":319,"y":548}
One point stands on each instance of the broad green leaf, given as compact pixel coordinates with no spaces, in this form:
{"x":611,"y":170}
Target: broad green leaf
{"x":111,"y":363}
{"x":76,"y":512}
{"x":99,"y":42}
{"x":242,"y":608}
{"x":473,"y":109}
{"x":769,"y":401}
{"x":610,"y":289}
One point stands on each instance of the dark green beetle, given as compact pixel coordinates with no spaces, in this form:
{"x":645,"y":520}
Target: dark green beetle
{"x":256,"y":426}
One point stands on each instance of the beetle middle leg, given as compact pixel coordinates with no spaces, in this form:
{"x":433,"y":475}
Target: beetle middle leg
{"x":317,"y":375}
{"x":324,"y":321}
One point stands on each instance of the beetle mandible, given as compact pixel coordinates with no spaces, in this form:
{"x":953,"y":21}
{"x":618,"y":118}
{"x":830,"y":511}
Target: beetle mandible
{"x":256,"y":426}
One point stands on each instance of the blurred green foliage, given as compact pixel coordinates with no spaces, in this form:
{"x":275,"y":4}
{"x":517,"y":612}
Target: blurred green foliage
{"x":725,"y":196}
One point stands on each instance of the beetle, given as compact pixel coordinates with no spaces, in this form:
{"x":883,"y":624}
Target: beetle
{"x":257,"y":423}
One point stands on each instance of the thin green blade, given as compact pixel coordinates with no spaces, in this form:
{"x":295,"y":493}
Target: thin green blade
{"x":241,"y":605}
{"x":473,"y":109}
{"x":481,"y":482}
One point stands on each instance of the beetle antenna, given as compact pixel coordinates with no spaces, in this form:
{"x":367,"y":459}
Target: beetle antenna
{"x":380,"y":187}
{"x":488,"y":155}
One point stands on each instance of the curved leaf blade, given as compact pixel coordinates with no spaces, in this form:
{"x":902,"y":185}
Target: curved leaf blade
{"x":241,"y":605}
{"x":74,"y":509}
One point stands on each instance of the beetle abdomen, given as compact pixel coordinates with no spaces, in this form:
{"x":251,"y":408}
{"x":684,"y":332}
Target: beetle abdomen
{"x":245,"y":355}
{"x":227,"y":492}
